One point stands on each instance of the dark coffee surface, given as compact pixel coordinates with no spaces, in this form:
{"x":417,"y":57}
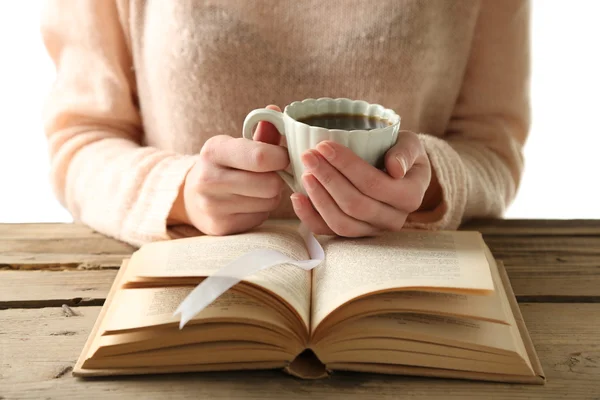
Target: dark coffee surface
{"x":345,"y":122}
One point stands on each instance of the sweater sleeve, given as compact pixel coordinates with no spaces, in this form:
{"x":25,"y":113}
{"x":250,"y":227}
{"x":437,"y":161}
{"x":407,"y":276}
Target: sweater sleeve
{"x":99,"y":170}
{"x":479,"y":162}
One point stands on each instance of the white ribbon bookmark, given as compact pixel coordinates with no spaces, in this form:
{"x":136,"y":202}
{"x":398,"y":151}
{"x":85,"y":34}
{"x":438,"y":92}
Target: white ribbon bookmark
{"x":248,"y":264}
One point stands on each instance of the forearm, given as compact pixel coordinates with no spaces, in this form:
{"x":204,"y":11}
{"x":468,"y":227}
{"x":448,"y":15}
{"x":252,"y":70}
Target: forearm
{"x":116,"y":186}
{"x":469,"y":180}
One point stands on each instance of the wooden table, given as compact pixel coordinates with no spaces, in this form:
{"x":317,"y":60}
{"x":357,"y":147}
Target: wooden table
{"x":55,"y":277}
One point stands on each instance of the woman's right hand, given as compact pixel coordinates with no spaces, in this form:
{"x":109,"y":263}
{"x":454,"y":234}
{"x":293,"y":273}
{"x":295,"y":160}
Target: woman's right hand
{"x":234,"y":186}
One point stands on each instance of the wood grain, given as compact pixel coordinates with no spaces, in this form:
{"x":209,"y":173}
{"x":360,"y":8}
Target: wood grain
{"x":550,"y":268}
{"x":532,"y":282}
{"x":564,"y":267}
{"x":75,"y":246}
{"x":528,"y":227}
{"x":40,"y":346}
{"x":33,"y":289}
{"x":58,"y":246}
{"x":556,"y":261}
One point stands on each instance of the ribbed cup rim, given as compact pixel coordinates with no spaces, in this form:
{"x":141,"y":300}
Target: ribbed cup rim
{"x":327,"y":105}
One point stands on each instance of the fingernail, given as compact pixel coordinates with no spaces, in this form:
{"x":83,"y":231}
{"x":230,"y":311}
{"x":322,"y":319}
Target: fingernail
{"x":326,"y":150}
{"x":403,"y":164}
{"x":309,"y":160}
{"x":309,"y":181}
{"x":295,"y":201}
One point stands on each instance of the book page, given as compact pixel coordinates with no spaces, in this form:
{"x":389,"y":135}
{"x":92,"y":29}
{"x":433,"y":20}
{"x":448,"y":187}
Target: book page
{"x":411,"y":346}
{"x":503,"y":295}
{"x":488,"y":308}
{"x":418,"y":260}
{"x":203,"y":256}
{"x":151,"y":339}
{"x":138,"y":308}
{"x":450,"y":331}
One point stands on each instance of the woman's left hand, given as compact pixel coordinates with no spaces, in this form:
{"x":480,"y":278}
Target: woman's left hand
{"x":351,"y":198}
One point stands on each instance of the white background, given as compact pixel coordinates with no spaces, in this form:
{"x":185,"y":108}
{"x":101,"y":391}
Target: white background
{"x":562,"y":154}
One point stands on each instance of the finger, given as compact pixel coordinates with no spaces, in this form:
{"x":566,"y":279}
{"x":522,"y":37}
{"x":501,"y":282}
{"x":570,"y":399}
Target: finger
{"x":402,"y":194}
{"x":307,"y":214}
{"x":407,"y":161}
{"x":244,"y":154}
{"x":236,"y":223}
{"x":264,"y":185}
{"x":266,"y":131}
{"x":217,"y":180}
{"x":407,"y":154}
{"x":369,"y":180}
{"x":349,"y":199}
{"x":236,"y":204}
{"x":340,"y":223}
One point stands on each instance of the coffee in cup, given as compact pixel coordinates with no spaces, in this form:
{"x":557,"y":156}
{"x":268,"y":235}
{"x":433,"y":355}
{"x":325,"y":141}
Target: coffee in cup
{"x":346,"y":122}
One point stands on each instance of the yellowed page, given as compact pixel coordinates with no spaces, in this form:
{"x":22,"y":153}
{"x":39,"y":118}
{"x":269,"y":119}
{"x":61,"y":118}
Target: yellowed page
{"x":156,"y":338}
{"x":200,"y":353}
{"x":203,"y":256}
{"x":113,"y":304}
{"x":450,"y":331}
{"x":153,"y":370}
{"x":147,"y":307}
{"x":476,"y":335}
{"x":451,"y":304}
{"x":414,"y":346}
{"x":94,"y":337}
{"x":441,"y":261}
{"x":503,"y":295}
{"x":458,"y":332}
{"x":523,"y":333}
{"x":421,"y":372}
{"x":395,"y":357}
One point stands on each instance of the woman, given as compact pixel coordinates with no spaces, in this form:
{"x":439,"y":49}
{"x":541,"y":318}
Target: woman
{"x":145,"y":116}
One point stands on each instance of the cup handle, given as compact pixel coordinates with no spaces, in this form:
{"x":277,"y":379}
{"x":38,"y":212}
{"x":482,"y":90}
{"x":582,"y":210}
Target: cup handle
{"x":276,"y":118}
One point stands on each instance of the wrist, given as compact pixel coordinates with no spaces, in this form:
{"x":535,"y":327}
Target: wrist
{"x":433,"y":195}
{"x":178,"y":214}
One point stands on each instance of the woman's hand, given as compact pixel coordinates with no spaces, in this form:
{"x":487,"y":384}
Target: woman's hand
{"x":352,"y":198}
{"x":234,"y":186}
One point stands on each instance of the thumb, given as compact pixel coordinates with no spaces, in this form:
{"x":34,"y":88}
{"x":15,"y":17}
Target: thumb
{"x":266,"y":131}
{"x":406,"y":153}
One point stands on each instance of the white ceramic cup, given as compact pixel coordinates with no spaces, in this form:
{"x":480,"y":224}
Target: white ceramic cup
{"x":370,"y":145}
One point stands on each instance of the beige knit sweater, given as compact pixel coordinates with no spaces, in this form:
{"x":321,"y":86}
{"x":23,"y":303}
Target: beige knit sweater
{"x":141,"y":85}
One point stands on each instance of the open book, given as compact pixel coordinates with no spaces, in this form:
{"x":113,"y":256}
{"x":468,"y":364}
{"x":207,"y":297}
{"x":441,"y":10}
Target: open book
{"x":413,"y":303}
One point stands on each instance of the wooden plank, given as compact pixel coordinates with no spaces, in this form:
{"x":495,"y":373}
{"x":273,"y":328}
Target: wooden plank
{"x":551,"y":283}
{"x":40,"y":346}
{"x":48,"y":231}
{"x":58,"y":247}
{"x":518,"y":227}
{"x":522,"y":246}
{"x":59,"y":262}
{"x":33,"y":289}
{"x":551,"y":268}
{"x":490,"y":226}
{"x":566,"y":267}
{"x":526,"y":227}
{"x":18,"y":290}
{"x":73,"y":246}
{"x":536,"y":276}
